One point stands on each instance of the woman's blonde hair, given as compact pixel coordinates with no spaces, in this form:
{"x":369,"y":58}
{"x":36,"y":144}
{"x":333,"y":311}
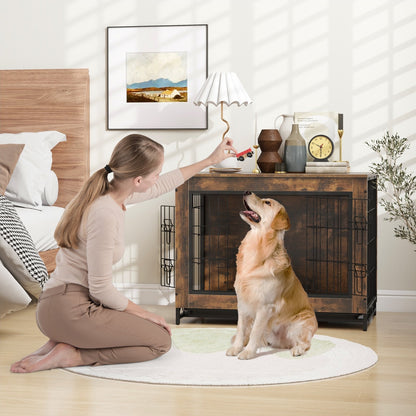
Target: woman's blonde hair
{"x":134,"y":155}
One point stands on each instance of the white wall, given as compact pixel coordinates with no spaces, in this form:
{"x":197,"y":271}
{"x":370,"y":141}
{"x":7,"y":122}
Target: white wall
{"x":349,"y":56}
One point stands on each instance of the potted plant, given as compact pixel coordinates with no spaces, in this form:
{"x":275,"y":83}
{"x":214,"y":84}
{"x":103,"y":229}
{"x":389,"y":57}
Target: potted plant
{"x":398,"y":184}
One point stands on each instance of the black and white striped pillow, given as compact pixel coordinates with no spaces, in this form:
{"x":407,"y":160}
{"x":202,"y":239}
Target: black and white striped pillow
{"x":18,"y":252}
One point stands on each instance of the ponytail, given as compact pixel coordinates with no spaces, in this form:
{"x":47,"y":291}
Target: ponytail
{"x":66,"y":232}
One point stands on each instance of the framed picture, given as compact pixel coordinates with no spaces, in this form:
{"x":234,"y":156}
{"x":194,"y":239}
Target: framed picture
{"x":153,"y":75}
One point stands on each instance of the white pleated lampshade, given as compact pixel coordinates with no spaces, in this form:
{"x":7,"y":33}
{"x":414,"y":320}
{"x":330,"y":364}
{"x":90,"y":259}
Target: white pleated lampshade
{"x":222,"y":87}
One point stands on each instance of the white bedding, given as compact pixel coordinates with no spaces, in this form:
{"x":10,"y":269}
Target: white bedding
{"x":41,"y":225}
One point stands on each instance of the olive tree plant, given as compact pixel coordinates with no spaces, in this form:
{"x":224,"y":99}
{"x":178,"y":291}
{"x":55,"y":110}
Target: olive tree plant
{"x":397,"y":182}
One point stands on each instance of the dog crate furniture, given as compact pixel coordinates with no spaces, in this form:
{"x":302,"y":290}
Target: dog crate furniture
{"x":332,"y":241}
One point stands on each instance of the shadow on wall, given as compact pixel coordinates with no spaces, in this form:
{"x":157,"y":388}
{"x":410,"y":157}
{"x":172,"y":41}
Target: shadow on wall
{"x":348,"y":56}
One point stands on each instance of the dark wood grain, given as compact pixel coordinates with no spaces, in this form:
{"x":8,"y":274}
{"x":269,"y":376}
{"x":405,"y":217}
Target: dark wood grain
{"x":327,"y":243}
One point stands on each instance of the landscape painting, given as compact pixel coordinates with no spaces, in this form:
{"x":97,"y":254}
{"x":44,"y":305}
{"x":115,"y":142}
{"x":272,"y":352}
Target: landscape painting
{"x":155,"y":77}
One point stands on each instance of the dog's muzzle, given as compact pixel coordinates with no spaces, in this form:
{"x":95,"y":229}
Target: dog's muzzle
{"x":249,"y":213}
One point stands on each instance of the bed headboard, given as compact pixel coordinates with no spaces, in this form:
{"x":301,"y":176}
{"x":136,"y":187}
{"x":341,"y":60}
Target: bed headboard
{"x":52,"y":99}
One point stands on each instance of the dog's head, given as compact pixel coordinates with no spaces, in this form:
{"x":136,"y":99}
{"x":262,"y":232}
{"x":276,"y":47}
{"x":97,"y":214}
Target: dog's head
{"x":264,"y":213}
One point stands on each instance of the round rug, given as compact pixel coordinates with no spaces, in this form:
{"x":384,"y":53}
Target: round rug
{"x":197,"y":357}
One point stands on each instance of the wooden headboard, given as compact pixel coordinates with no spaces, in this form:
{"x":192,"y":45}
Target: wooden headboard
{"x":52,"y":99}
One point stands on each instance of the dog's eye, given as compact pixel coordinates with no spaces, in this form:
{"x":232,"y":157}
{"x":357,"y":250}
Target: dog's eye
{"x":267,"y":202}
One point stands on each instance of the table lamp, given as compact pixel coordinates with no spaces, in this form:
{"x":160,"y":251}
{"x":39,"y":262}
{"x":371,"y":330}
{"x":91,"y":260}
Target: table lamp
{"x":222,"y":88}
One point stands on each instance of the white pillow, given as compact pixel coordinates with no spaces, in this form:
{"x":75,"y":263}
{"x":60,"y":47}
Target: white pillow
{"x":30,"y":174}
{"x":50,"y":192}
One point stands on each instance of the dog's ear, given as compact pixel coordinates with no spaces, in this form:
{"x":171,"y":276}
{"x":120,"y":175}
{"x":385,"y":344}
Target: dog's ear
{"x":281,"y":221}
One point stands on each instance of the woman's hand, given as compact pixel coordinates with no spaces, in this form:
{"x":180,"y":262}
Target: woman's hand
{"x":223,"y":151}
{"x":159,"y":320}
{"x":137,"y":310}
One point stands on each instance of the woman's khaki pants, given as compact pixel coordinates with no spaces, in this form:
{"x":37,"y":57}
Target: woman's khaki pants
{"x":103,"y":336}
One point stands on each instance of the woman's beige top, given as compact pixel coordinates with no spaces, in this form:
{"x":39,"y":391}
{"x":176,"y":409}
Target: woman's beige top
{"x":101,"y":244}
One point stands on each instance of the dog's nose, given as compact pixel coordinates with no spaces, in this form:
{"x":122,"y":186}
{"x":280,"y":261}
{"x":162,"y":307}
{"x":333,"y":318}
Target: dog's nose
{"x":247,"y":193}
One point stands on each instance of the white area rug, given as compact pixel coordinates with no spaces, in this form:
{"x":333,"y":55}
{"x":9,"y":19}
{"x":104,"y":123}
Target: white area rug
{"x":198,"y":357}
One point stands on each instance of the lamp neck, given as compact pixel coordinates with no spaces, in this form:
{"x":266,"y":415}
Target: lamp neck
{"x":225,"y":121}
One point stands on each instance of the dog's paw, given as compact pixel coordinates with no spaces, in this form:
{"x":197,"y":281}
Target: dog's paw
{"x":233,"y":351}
{"x":246,"y":355}
{"x":298,"y":350}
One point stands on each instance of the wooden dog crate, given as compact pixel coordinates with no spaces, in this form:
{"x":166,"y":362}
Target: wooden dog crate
{"x":332,"y":241}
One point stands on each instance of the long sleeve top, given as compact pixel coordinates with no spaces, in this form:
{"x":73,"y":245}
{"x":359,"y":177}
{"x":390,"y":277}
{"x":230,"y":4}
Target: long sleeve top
{"x":101,"y":245}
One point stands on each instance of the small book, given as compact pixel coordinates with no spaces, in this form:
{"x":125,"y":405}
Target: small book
{"x":327,"y":167}
{"x":328,"y":164}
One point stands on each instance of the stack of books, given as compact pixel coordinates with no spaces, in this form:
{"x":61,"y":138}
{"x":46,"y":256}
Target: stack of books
{"x":327,"y":167}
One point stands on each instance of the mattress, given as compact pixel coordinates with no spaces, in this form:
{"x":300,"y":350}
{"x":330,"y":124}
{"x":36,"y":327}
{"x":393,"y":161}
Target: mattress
{"x":41,"y":225}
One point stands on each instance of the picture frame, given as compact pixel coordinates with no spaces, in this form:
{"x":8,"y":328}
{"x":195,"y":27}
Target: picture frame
{"x":153,"y":74}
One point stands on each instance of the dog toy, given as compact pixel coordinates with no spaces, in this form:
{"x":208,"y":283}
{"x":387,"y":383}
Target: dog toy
{"x":242,"y":155}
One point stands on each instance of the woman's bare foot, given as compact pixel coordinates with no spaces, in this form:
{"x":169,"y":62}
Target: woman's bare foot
{"x":62,"y":355}
{"x":43,"y":350}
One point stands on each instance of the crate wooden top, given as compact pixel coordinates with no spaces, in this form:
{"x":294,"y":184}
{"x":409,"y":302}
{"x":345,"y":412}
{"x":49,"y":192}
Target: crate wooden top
{"x":366,"y":175}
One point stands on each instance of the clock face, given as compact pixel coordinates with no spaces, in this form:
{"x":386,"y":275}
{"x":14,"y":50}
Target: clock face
{"x":321,"y":147}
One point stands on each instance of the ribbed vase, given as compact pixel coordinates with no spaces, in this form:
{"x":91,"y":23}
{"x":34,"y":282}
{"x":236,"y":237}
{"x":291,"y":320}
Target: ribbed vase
{"x":269,"y":142}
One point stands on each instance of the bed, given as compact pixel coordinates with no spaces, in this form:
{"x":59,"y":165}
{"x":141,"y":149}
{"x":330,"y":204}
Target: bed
{"x":40,"y":109}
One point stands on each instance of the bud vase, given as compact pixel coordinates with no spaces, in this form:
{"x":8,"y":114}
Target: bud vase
{"x":295,"y":151}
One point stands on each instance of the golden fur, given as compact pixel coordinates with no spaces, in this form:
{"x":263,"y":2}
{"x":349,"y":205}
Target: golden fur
{"x":273,"y":307}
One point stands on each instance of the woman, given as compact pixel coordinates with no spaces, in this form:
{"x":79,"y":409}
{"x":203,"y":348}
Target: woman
{"x":87,"y":320}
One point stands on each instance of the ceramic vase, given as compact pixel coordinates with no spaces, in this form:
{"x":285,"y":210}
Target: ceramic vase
{"x":295,"y":151}
{"x":283,"y":123}
{"x":269,"y":141}
{"x":285,"y":126}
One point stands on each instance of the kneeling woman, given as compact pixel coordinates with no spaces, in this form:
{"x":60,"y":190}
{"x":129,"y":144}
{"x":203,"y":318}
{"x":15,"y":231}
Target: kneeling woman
{"x":87,"y":321}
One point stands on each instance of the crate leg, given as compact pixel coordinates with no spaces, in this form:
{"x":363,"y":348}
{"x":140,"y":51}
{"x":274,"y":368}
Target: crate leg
{"x":365,"y":322}
{"x":178,"y":316}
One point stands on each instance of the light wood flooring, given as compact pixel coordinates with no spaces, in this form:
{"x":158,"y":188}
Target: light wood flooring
{"x":388,"y":388}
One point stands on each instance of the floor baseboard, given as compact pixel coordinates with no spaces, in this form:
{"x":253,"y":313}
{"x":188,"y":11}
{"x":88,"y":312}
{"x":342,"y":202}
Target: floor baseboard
{"x":154,"y":294}
{"x":396,"y":300}
{"x":147,"y":294}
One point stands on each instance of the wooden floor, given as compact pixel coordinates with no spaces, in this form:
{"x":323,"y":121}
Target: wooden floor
{"x":388,"y":388}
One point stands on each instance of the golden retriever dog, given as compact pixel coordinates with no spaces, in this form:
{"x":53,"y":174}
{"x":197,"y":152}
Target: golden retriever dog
{"x":273,"y":307}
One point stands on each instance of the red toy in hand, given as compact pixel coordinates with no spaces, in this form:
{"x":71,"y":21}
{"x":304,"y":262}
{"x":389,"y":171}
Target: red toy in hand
{"x":242,"y":155}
